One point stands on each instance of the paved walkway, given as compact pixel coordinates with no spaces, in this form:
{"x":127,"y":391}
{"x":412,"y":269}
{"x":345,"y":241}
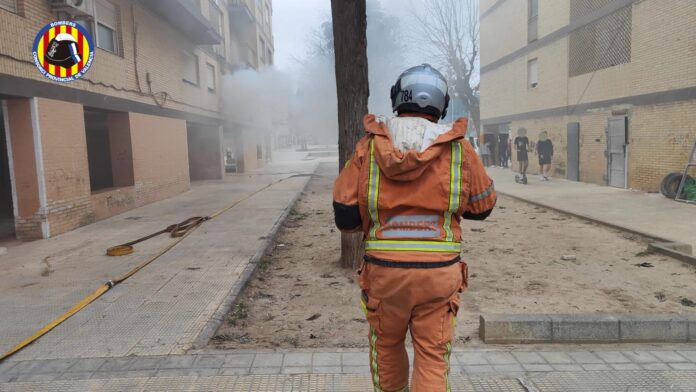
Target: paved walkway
{"x":644,"y":368}
{"x":164,"y":308}
{"x":649,"y":214}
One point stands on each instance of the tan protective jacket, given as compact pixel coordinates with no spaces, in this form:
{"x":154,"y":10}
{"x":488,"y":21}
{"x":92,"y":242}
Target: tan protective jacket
{"x":408,"y":204}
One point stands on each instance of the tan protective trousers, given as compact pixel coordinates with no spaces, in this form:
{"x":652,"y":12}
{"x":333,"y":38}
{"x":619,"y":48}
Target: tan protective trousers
{"x":425,"y":301}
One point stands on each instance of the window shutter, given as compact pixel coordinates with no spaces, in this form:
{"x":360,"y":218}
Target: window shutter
{"x":107,"y":14}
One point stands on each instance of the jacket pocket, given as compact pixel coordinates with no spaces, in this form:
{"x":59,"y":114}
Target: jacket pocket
{"x":362,"y":276}
{"x":465,"y":277}
{"x":373,"y":310}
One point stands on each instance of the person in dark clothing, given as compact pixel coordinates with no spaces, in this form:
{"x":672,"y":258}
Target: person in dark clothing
{"x":522,"y":148}
{"x":545,"y":151}
{"x":503,"y":150}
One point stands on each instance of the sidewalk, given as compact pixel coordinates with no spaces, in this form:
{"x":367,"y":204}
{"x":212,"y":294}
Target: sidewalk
{"x":651,"y":215}
{"x":162,"y":309}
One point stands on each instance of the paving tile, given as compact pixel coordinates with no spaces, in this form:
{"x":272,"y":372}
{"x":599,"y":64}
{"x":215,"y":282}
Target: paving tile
{"x":355,"y":369}
{"x":690,"y":355}
{"x":528,"y":357}
{"x":6,"y":367}
{"x":234,"y":371}
{"x":296,"y":370}
{"x":668,"y":356}
{"x":584,"y":357}
{"x":683,"y":366}
{"x":177,"y":362}
{"x":471,"y":358}
{"x":595,"y":366}
{"x":640,"y":356}
{"x":208,"y":361}
{"x":36,"y":377}
{"x":556,"y":357}
{"x":655,"y":366}
{"x":355,"y":359}
{"x":116,"y":364}
{"x":474,"y":369}
{"x":268,"y":360}
{"x":612,"y":357}
{"x":531,"y":367}
{"x":265,"y":370}
{"x":26,"y":366}
{"x":499,"y":358}
{"x":515,"y":368}
{"x":327,"y":359}
{"x":76,"y":376}
{"x":238,"y":360}
{"x":326,"y":369}
{"x":123,"y":374}
{"x":87,"y":364}
{"x":146,"y":363}
{"x":297,"y":359}
{"x":567,"y":368}
{"x":625,"y":366}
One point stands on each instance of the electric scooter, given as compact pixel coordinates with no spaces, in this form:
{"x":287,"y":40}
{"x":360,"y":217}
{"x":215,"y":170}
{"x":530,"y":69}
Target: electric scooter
{"x":521,"y":179}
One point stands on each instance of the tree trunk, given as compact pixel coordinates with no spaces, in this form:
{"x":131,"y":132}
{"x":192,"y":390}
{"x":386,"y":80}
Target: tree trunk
{"x":350,"y":48}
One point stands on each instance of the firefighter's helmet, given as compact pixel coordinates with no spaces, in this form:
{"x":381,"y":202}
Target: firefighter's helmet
{"x":421,"y":89}
{"x":62,"y":51}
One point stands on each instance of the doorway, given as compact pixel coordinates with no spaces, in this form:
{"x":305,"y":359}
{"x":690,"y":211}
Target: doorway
{"x":7,"y":223}
{"x":617,"y":151}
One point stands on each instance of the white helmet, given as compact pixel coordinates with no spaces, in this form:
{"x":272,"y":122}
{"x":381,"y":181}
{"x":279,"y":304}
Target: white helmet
{"x":421,"y":89}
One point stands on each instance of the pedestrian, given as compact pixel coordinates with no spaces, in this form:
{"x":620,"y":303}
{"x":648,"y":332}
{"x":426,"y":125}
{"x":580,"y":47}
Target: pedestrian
{"x":503,"y":148}
{"x":522,"y":148}
{"x":485,"y":152}
{"x":545,"y":151}
{"x":392,"y":191}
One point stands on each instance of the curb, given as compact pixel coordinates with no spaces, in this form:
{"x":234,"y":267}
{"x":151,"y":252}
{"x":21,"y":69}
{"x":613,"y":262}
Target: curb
{"x":587,"y":328}
{"x":218,"y":317}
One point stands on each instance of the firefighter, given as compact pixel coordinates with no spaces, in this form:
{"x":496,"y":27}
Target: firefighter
{"x":406,"y":187}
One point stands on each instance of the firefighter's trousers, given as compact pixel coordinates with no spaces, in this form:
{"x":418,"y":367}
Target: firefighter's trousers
{"x":424,"y":301}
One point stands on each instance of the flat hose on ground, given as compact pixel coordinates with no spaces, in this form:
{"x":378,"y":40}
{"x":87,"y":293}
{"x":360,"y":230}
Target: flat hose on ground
{"x":178,"y":231}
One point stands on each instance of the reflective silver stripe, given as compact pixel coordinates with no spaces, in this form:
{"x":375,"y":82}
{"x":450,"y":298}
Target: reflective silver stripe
{"x":482,"y":195}
{"x":455,"y":187}
{"x":373,"y":192}
{"x":413,"y":246}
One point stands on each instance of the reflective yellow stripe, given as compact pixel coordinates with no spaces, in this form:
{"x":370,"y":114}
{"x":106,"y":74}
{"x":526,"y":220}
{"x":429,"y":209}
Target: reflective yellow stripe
{"x":455,"y":186}
{"x":373,"y":351}
{"x":413,"y":246}
{"x":373,"y":192}
{"x":448,"y":352}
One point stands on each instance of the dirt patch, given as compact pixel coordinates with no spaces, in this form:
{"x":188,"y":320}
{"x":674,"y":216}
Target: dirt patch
{"x":523,"y":259}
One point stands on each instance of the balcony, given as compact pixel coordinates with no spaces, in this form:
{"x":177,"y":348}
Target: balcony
{"x":240,"y":12}
{"x":184,"y":16}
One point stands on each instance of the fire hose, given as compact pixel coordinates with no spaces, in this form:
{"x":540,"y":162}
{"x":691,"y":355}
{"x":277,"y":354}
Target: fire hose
{"x":179,"y":231}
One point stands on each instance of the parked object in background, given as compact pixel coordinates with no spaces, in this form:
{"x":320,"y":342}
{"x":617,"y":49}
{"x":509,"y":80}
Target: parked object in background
{"x":687,"y":186}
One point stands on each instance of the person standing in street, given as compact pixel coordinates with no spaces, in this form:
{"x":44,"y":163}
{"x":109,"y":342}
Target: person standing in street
{"x":407,"y":186}
{"x":522,"y":148}
{"x":545,"y":151}
{"x":503,"y":149}
{"x":485,"y":152}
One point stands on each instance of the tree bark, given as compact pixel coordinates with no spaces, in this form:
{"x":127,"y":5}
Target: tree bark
{"x":350,"y":49}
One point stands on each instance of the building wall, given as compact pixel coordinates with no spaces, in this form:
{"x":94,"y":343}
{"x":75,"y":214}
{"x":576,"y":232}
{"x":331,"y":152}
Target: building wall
{"x":663,"y":59}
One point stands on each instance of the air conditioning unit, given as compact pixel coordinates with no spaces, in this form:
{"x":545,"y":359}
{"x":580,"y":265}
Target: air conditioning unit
{"x":75,"y":8}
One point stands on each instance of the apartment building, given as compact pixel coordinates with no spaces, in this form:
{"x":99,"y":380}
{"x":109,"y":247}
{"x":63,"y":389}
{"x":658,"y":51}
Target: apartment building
{"x":613,"y":82}
{"x":138,"y":127}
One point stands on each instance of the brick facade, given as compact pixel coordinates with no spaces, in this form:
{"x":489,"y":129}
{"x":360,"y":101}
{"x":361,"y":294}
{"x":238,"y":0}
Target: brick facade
{"x":661,"y":130}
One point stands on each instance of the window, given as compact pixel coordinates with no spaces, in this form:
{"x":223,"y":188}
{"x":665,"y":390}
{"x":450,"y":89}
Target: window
{"x":107,"y":22}
{"x":215,"y":16}
{"x":10,"y":5}
{"x":191,"y":68}
{"x":533,"y":73}
{"x":211,"y":77}
{"x":533,"y":20}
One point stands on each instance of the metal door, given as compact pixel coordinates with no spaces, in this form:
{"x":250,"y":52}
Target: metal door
{"x":616,"y":139}
{"x":573,"y":153}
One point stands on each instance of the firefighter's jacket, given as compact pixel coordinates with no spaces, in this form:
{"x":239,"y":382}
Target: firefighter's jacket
{"x":409,"y":203}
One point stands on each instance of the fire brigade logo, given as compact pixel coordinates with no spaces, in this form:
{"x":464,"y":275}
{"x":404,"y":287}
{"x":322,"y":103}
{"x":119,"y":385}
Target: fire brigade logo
{"x":63,"y":51}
